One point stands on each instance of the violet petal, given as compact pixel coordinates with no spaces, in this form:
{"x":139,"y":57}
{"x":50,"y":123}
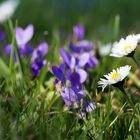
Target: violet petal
{"x":59,"y":74}
{"x":82,"y":74}
{"x":68,"y":96}
{"x":79,"y":31}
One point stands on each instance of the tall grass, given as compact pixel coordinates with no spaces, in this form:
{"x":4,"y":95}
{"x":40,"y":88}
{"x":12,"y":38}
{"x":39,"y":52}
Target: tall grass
{"x":30,"y":108}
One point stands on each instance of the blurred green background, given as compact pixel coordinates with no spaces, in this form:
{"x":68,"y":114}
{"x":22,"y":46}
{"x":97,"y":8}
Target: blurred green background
{"x":97,"y":15}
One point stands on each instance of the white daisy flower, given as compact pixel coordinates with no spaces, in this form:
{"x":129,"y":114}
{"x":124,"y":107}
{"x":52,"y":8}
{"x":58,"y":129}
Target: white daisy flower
{"x":114,"y":77}
{"x":125,"y":46}
{"x":7,"y":9}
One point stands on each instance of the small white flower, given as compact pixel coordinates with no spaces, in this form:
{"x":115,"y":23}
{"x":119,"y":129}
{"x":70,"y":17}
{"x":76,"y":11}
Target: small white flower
{"x":7,"y":9}
{"x":114,"y":77}
{"x":105,"y":49}
{"x":125,"y":46}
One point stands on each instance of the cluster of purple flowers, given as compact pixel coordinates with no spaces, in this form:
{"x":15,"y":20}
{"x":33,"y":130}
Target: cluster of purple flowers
{"x":71,"y":74}
{"x":70,"y":86}
{"x":83,"y":49}
{"x":73,"y":71}
{"x":23,"y":37}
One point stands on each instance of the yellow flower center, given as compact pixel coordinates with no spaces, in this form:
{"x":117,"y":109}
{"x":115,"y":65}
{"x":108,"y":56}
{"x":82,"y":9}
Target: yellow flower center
{"x":127,"y":47}
{"x":115,"y":75}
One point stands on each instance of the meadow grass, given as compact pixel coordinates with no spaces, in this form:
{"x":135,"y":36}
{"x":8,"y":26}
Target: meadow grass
{"x":31,"y":108}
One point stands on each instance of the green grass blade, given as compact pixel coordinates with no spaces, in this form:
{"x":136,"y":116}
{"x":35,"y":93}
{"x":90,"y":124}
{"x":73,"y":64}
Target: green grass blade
{"x":11,"y":62}
{"x":4,"y":71}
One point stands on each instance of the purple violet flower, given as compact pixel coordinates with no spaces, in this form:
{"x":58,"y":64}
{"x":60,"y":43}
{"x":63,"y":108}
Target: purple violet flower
{"x":83,"y":50}
{"x":81,"y":46}
{"x":7,"y":49}
{"x":74,"y":65}
{"x":78,"y":31}
{"x":59,"y":73}
{"x":2,"y":35}
{"x":70,"y":94}
{"x":38,"y":58}
{"x":37,"y":65}
{"x":23,"y":36}
{"x":85,"y":55}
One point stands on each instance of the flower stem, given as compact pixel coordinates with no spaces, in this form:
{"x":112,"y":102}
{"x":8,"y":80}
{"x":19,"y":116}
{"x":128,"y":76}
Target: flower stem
{"x":127,"y":98}
{"x":135,"y":60}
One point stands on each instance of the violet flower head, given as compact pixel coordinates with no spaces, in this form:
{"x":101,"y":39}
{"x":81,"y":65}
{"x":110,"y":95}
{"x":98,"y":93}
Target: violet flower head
{"x":93,"y":61}
{"x":82,"y":46}
{"x":72,"y":97}
{"x":59,"y":73}
{"x":76,"y":78}
{"x":74,"y":64}
{"x":78,"y":31}
{"x":85,"y":53}
{"x":22,"y":51}
{"x":8,"y":48}
{"x":38,"y":58}
{"x":23,"y":36}
{"x":67,"y":58}
{"x":79,"y":63}
{"x":67,"y":94}
{"x":83,"y":49}
{"x":70,"y":94}
{"x":2,"y":35}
